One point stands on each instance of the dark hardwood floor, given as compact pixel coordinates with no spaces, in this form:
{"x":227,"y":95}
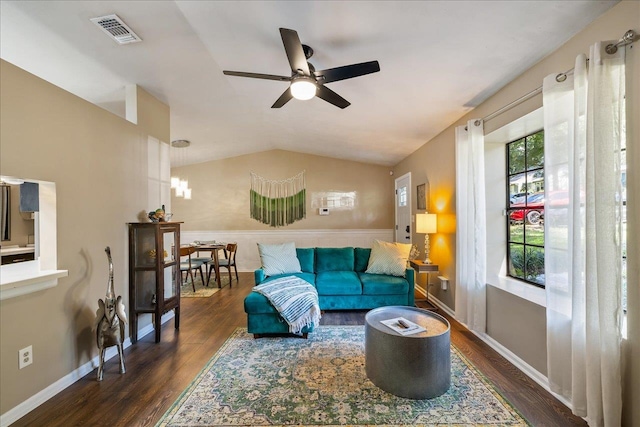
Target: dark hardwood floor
{"x":158,"y":373}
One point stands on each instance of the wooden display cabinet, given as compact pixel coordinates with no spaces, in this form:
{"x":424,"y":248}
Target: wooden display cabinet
{"x":154,"y":273}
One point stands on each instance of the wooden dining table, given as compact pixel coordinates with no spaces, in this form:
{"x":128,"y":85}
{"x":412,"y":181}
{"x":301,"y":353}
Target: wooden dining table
{"x":214,"y":248}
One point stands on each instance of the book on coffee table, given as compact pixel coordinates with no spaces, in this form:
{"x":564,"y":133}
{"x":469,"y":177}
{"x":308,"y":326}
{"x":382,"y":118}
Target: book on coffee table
{"x":403,"y":326}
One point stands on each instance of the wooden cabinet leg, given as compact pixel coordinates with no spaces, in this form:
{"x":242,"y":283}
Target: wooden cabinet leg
{"x":158,"y":325}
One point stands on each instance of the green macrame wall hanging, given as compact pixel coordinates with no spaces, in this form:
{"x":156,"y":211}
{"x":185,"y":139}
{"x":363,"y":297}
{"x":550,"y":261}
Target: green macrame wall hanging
{"x":278,"y":203}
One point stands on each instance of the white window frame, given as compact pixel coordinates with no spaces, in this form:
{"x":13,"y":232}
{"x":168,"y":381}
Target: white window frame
{"x":495,"y":166}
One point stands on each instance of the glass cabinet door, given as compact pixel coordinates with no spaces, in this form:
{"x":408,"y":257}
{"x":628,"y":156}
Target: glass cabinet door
{"x":145,"y":290}
{"x":171,"y":284}
{"x":145,"y":247}
{"x":171,"y":288}
{"x":169,"y":242}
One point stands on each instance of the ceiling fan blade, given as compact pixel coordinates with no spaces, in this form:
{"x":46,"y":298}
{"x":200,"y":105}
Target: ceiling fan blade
{"x":257,"y":76}
{"x":347,"y":72}
{"x":284,"y":98}
{"x":295,"y":53}
{"x":331,"y":97}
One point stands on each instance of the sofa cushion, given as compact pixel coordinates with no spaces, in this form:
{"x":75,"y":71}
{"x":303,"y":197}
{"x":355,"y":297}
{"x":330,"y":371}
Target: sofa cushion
{"x":279,"y":258}
{"x":307,"y":258}
{"x":334,"y":259}
{"x":388,"y":258}
{"x":309,"y":277}
{"x":382,"y":284}
{"x":338,"y":283}
{"x":361,"y":259}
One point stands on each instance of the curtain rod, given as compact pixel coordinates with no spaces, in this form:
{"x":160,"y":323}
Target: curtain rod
{"x":628,"y":38}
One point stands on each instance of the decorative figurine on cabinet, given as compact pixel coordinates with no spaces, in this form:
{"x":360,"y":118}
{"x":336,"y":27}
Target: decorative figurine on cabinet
{"x":110,"y":320}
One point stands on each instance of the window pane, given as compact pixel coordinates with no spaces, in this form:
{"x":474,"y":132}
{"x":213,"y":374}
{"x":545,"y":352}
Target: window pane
{"x":534,"y":234}
{"x":535,"y":183}
{"x":402,"y":196}
{"x":517,"y":189}
{"x":516,"y":260}
{"x":516,"y":157}
{"x":535,"y":151}
{"x":534,"y":261}
{"x":516,"y":232}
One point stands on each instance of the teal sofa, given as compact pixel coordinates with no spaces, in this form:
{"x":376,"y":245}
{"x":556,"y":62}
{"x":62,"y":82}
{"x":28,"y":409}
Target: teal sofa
{"x":342,"y":284}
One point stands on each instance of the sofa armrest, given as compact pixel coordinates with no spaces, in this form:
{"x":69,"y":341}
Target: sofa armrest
{"x":409,"y":274}
{"x":259,"y":276}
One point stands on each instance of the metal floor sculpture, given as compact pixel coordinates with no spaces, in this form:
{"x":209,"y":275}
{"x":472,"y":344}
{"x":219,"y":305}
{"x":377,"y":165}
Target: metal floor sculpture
{"x":110,"y":320}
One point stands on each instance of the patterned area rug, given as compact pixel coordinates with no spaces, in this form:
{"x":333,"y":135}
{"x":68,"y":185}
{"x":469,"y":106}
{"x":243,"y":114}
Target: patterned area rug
{"x":322,"y":382}
{"x":202,"y":291}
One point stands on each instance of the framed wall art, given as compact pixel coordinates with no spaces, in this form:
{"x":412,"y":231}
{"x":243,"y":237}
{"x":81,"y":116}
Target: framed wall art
{"x":421,"y":192}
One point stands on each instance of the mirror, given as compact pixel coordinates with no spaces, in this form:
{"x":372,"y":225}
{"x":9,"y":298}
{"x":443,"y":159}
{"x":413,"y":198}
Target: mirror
{"x":5,"y":221}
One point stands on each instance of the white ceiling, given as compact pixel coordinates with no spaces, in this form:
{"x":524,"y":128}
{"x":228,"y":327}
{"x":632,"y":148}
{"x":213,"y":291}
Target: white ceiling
{"x":438,"y":60}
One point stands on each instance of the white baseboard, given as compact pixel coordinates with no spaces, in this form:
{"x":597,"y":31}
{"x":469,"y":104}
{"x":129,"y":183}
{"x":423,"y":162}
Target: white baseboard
{"x":14,"y":414}
{"x":435,"y":301}
{"x":523,"y":366}
{"x":528,"y":370}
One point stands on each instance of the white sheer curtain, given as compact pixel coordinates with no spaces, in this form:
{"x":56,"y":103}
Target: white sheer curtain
{"x":584,"y":133}
{"x":471,"y":265}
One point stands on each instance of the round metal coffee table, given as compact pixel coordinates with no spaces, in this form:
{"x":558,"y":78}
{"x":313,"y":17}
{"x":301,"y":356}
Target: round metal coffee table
{"x":416,"y":366}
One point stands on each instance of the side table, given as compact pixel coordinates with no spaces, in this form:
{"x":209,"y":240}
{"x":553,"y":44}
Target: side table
{"x":420,"y":267}
{"x":416,"y":366}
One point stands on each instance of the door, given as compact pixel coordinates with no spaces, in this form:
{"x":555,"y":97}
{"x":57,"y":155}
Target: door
{"x":403,"y":208}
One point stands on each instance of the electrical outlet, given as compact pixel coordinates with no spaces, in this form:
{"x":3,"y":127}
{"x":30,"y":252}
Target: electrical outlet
{"x":444,"y":283}
{"x":25,"y":356}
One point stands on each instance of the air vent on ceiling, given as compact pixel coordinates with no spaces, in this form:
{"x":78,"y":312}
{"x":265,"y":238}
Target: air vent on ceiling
{"x":116,"y":29}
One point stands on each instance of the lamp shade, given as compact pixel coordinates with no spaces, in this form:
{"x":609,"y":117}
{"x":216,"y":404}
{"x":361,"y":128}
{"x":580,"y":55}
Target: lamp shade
{"x":426,"y":223}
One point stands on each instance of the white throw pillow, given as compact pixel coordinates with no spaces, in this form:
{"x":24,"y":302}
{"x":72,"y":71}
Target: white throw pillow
{"x":388,"y":258}
{"x":279,"y":258}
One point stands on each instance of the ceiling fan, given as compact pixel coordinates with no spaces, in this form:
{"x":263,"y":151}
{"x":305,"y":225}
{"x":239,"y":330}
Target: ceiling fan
{"x":305,"y":81}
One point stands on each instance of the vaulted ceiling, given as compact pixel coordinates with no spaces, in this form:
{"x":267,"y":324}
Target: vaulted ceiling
{"x":438,"y":60}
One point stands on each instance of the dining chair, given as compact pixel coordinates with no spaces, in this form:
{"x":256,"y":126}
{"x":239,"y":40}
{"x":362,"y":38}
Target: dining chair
{"x":207,"y":261}
{"x":230,"y":259}
{"x":187,"y":266}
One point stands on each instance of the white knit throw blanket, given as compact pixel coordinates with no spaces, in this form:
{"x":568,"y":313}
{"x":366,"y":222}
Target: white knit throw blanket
{"x":295,"y":299}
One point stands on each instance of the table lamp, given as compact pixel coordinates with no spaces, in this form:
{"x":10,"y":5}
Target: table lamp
{"x":426,"y":223}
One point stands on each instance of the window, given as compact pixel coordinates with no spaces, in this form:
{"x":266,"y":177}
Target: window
{"x":159,"y":174}
{"x":402,"y":196}
{"x":525,"y":208}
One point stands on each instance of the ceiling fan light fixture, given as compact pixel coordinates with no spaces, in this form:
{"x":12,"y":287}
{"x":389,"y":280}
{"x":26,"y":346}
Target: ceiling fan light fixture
{"x":303,"y":88}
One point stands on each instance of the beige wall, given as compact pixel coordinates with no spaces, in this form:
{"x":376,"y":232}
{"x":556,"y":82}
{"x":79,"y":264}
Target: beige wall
{"x":436,"y":160}
{"x":98,"y":162}
{"x":153,"y":115}
{"x":220,"y":198}
{"x":518,"y":337}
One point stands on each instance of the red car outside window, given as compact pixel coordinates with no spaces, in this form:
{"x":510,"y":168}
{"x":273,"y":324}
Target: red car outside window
{"x":532,"y":210}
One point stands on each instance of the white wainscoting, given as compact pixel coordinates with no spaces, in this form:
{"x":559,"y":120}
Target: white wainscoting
{"x":248,"y":258}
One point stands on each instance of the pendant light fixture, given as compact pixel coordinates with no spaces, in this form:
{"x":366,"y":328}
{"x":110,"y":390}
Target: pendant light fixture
{"x":181,"y":186}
